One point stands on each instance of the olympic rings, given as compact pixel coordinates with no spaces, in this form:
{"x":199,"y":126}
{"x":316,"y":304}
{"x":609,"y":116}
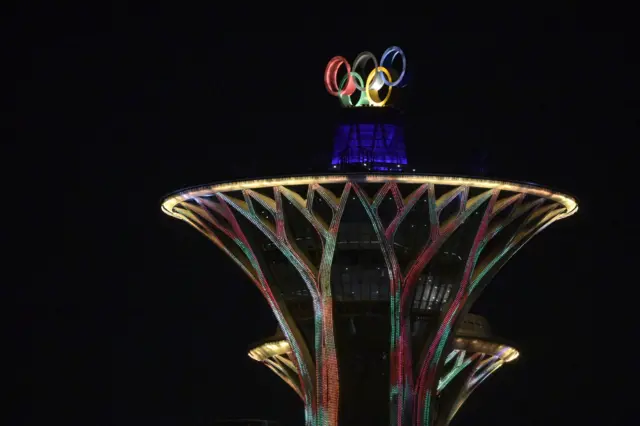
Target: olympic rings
{"x":379,"y":77}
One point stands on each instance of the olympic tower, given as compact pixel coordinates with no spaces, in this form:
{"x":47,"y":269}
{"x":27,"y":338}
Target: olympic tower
{"x":371,"y":274}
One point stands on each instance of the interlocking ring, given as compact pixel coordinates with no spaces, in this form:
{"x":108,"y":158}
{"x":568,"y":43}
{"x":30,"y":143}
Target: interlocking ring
{"x":331,"y":74}
{"x":352,"y":81}
{"x":392,"y":52}
{"x":346,"y":99}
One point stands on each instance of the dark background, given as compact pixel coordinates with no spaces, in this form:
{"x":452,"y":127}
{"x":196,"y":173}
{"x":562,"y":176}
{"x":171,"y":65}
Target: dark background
{"x":133,"y":318}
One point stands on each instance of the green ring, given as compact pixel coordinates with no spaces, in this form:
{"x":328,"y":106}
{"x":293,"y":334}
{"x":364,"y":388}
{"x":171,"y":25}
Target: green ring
{"x":346,"y":100}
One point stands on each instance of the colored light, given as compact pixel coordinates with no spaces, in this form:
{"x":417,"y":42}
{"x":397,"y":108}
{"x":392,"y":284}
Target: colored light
{"x":568,"y":202}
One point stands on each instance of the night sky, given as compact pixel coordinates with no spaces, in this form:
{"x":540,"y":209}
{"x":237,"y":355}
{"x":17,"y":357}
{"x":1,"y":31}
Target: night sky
{"x":139,"y":320}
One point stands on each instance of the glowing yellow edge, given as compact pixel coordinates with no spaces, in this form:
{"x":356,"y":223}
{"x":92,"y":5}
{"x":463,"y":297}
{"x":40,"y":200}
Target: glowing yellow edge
{"x":372,"y":95}
{"x":280,"y":347}
{"x":169,"y":203}
{"x":266,"y":350}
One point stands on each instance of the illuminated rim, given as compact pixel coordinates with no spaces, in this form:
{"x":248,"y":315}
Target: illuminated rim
{"x":504,"y":352}
{"x":171,"y":200}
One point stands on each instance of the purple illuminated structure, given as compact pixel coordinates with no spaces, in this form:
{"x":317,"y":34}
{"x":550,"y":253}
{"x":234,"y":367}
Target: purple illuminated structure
{"x":370,"y":139}
{"x":378,"y":147}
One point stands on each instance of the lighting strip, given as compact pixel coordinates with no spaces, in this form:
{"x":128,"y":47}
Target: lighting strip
{"x":567,"y":201}
{"x":460,"y":365}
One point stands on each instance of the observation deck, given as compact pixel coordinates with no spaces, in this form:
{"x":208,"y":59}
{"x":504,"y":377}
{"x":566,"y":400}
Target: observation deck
{"x":371,"y":278}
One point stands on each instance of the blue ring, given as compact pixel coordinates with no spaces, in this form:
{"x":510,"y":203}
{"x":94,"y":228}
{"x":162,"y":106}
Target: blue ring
{"x":386,"y":62}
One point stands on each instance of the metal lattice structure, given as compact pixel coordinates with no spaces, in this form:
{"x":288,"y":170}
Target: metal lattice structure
{"x":473,"y":347}
{"x":378,"y":147}
{"x":370,"y":278}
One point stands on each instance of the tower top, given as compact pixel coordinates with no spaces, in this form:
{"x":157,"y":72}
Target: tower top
{"x":382,"y":74}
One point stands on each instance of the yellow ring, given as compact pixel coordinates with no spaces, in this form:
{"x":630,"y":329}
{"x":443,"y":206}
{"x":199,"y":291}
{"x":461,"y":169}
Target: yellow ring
{"x":372,"y":95}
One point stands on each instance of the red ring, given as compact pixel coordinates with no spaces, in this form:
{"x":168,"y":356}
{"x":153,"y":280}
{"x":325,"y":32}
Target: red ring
{"x":331,"y":77}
